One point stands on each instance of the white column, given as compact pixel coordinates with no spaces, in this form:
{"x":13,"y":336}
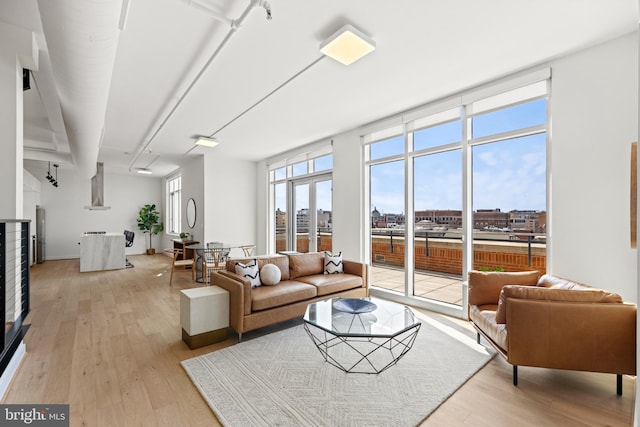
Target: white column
{"x":18,"y":49}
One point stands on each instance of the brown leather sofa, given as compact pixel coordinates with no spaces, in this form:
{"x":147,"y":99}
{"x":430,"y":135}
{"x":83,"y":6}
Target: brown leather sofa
{"x":302,"y":281}
{"x":551,"y":322}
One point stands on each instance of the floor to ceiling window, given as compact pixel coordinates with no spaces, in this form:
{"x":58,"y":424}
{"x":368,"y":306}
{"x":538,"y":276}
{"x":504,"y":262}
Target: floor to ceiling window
{"x":304,"y":189}
{"x":174,"y":206}
{"x":467,"y":171}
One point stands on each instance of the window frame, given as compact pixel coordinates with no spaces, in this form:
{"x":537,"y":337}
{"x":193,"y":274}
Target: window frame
{"x":174,"y":205}
{"x":288,"y":180}
{"x":531,"y":91}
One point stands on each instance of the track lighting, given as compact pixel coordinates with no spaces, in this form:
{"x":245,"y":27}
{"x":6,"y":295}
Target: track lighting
{"x":50,"y":178}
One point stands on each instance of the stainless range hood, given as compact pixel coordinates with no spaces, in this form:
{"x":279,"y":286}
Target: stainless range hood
{"x":97,"y":190}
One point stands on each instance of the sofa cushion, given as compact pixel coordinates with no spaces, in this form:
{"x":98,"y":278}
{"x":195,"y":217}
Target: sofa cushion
{"x":270,"y":275}
{"x":331,"y":283}
{"x":249,"y":271}
{"x":485,"y":286}
{"x":549,"y":281}
{"x":305,"y":264}
{"x":484,"y":317}
{"x":287,"y":292}
{"x":333,"y":263}
{"x":280,"y":261}
{"x":585,"y":294}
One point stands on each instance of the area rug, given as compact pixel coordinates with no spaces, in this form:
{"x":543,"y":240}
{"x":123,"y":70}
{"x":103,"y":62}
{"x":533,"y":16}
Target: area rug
{"x":281,"y":379}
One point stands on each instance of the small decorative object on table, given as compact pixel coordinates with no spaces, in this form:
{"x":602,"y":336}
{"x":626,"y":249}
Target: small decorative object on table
{"x":354,"y":305}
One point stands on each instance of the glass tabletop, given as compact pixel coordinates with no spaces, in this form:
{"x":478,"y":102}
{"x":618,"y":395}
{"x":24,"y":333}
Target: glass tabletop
{"x":360,"y":317}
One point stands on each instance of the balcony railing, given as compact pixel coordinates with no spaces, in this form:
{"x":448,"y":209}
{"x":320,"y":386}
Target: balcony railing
{"x":436,"y":253}
{"x":14,"y":286}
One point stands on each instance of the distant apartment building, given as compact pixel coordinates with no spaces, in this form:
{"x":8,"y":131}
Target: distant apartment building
{"x":303,"y":220}
{"x":324,"y":220}
{"x":530,"y":221}
{"x":281,"y":220}
{"x":380,"y":220}
{"x":450,"y":218}
{"x":542,"y":222}
{"x":490,"y":218}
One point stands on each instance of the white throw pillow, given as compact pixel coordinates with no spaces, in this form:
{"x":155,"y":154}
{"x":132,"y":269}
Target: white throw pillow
{"x":270,"y":275}
{"x":333,"y":263}
{"x":250,"y":271}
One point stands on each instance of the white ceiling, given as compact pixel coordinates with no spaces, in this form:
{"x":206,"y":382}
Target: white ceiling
{"x":425,"y":50}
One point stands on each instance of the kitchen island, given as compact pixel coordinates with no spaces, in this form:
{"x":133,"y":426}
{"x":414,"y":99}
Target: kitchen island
{"x":102,"y":251}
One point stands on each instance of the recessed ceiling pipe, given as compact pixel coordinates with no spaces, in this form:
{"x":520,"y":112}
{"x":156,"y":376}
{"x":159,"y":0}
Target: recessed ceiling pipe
{"x":82,"y":38}
{"x":234,"y":24}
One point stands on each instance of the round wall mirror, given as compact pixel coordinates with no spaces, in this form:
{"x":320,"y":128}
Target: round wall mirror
{"x":191,"y":213}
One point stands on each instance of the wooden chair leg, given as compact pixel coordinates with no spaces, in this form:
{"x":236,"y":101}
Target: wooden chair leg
{"x":171,"y":277}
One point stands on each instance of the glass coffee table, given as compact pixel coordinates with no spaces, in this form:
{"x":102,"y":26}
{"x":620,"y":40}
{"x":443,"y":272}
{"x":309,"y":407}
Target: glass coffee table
{"x":361,"y":335}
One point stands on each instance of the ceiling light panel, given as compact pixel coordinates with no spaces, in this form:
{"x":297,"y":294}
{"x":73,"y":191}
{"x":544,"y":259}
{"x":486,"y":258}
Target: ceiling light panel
{"x":207,"y":142}
{"x":347,"y":45}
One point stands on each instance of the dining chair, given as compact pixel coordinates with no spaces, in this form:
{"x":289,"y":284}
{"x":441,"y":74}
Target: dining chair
{"x":180,"y":261}
{"x":248,"y":249}
{"x":213,"y":259}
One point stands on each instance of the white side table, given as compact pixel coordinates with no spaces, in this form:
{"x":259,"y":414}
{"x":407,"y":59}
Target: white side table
{"x":204,"y":315}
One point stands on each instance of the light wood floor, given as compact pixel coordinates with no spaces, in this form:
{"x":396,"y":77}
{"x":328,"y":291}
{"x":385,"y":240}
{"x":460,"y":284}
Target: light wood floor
{"x":109,"y":344}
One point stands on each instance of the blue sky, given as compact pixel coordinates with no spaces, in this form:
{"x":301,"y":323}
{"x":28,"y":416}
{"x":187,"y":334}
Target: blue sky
{"x":508,"y":175}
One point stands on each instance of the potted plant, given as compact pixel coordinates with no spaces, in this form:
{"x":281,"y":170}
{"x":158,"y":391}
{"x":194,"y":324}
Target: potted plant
{"x":149,"y":222}
{"x":185,"y":236}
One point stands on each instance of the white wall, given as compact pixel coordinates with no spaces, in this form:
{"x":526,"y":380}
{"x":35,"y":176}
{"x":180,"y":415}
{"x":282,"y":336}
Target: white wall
{"x":225,"y":193}
{"x":594,"y":107}
{"x":193,"y":187}
{"x":262,"y":208}
{"x":230,"y":193}
{"x":17,"y":50}
{"x":349,"y":217}
{"x":32,"y":188}
{"x":67,"y":219}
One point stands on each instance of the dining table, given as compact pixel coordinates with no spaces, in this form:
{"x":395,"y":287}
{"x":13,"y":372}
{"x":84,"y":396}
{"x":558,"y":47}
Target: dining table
{"x":200,"y":249}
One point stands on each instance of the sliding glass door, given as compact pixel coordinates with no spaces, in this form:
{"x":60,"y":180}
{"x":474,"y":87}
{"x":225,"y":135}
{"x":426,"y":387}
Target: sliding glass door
{"x":311,"y":227}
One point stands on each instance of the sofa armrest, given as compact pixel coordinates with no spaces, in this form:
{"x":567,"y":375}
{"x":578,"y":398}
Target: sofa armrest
{"x":596,"y":337}
{"x":357,"y":269}
{"x":239,"y":290}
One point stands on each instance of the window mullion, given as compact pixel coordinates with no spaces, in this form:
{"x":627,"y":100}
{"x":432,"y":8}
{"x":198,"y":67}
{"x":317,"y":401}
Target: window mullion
{"x":467,"y":207}
{"x":409,"y":241}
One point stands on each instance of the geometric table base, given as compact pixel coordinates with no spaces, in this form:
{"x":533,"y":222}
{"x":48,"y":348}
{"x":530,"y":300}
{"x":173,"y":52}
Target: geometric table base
{"x":362,"y":354}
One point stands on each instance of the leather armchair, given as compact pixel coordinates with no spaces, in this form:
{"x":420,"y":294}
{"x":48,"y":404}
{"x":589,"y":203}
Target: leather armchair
{"x":553,"y":323}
